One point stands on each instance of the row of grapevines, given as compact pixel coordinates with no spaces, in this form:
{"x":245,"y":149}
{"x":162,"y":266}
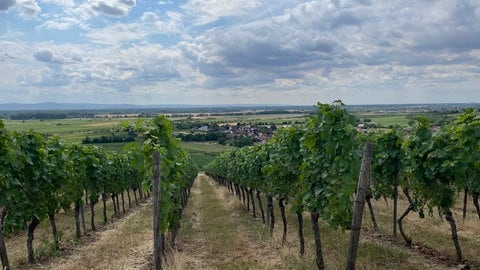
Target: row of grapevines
{"x":177,"y":170}
{"x":41,"y":175}
{"x":430,"y":167}
{"x":316,"y":167}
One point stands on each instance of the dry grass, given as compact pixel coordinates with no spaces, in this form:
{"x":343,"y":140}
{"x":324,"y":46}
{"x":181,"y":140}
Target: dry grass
{"x":433,"y":231}
{"x":372,"y":254}
{"x":176,"y":261}
{"x":217,"y":233}
{"x":16,"y":243}
{"x":127,"y":245}
{"x":377,"y":251}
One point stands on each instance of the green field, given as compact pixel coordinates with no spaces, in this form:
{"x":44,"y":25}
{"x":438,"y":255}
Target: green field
{"x":117,"y":146}
{"x":386,"y":120}
{"x":276,"y":119}
{"x":75,"y":130}
{"x":71,"y":130}
{"x":203,"y":153}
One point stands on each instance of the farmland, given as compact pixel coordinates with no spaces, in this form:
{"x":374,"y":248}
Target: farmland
{"x":431,"y":247}
{"x":72,"y":130}
{"x":105,"y":123}
{"x":77,"y":129}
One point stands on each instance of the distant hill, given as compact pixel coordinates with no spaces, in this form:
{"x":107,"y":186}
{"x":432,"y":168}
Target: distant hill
{"x":51,"y":106}
{"x":68,"y":106}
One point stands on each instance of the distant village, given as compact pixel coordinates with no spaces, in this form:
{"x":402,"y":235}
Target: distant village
{"x":230,"y":134}
{"x":258,"y":134}
{"x":245,"y":134}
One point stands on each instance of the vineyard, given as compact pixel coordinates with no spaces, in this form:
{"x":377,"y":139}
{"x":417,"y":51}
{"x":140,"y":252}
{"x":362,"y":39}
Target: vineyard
{"x":315,"y":169}
{"x":305,"y":174}
{"x":41,"y":176}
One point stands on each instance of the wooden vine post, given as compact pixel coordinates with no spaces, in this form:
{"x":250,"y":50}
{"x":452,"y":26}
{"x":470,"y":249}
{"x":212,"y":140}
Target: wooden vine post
{"x":157,"y":234}
{"x":362,"y":188}
{"x":3,"y":249}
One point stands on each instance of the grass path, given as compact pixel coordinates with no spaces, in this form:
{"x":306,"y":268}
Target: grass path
{"x":217,"y":234}
{"x":125,"y":244}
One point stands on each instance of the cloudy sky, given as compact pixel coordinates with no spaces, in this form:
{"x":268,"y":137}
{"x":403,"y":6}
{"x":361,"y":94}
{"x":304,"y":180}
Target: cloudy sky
{"x":239,"y":51}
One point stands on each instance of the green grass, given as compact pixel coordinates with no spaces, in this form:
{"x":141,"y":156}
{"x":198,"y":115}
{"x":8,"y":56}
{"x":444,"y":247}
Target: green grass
{"x":117,"y":146}
{"x":71,"y":130}
{"x":386,"y":120}
{"x":217,"y":231}
{"x":203,"y":153}
{"x":233,"y":119}
{"x":205,"y":147}
{"x":202,"y":159}
{"x":75,"y":130}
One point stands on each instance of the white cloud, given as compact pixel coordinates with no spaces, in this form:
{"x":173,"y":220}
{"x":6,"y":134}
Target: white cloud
{"x":64,"y":3}
{"x":150,"y":24}
{"x":207,"y":11}
{"x":6,"y":55}
{"x":325,"y":36}
{"x":48,"y":56}
{"x":112,"y":69}
{"x":118,"y":33}
{"x":242,"y":51}
{"x":168,"y":23}
{"x":112,"y":7}
{"x":150,"y":17}
{"x":62,"y":23}
{"x":277,"y":47}
{"x":85,"y":71}
{"x":82,"y":14}
{"x":28,"y":8}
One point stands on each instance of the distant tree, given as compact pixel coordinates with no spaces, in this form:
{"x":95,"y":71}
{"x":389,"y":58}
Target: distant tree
{"x":243,"y":141}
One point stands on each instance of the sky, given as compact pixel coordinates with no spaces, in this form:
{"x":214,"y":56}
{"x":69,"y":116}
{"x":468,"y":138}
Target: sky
{"x":239,"y":51}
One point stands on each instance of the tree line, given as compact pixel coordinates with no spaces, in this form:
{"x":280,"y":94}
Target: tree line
{"x":49,"y":115}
